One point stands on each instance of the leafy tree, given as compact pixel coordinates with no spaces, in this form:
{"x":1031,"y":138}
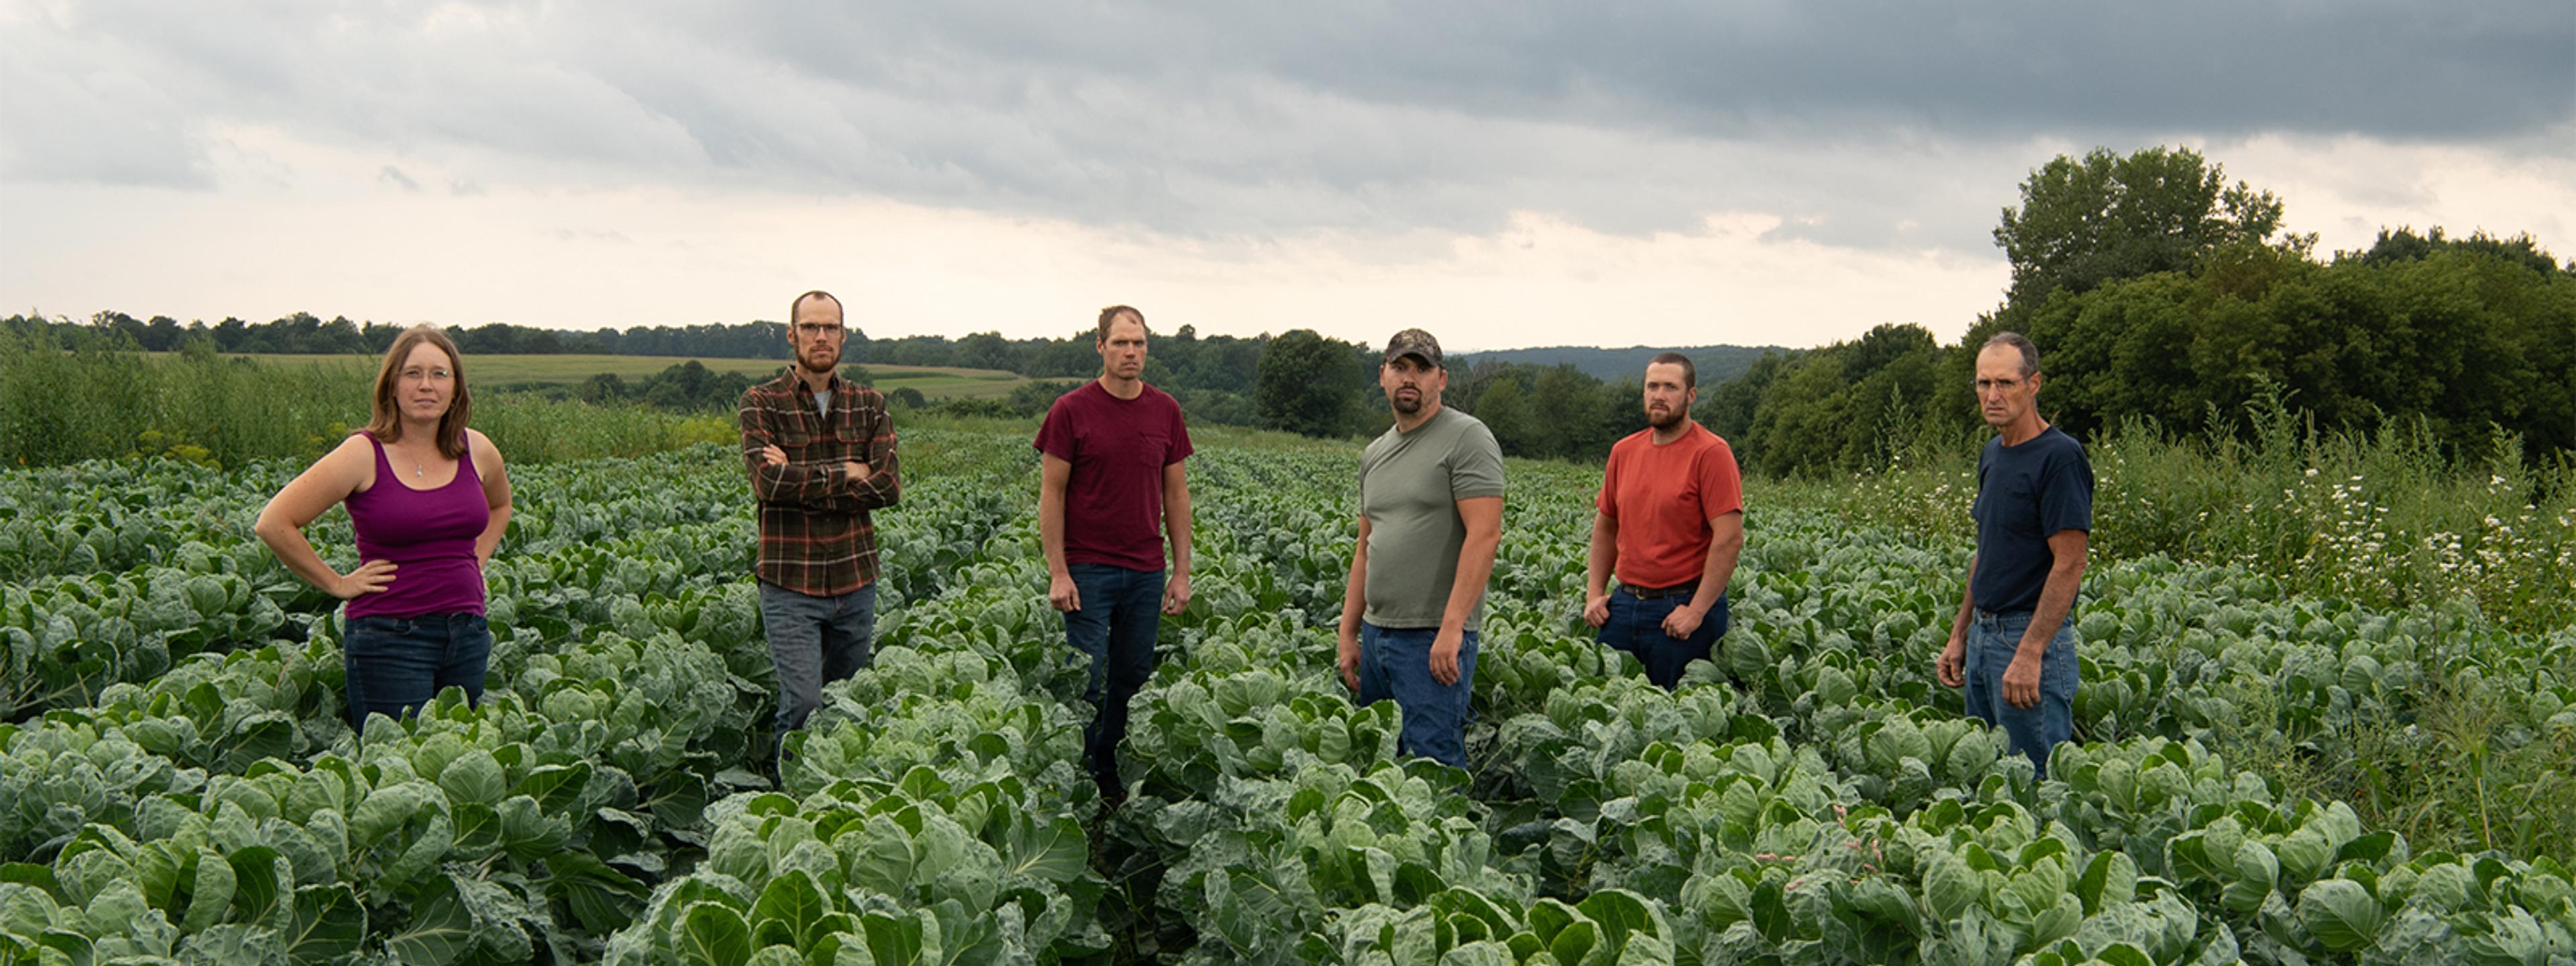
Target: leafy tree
{"x":2404,"y":245}
{"x":1308,"y":384}
{"x":2086,"y":221}
{"x":1727,"y":408}
{"x":985,"y":350}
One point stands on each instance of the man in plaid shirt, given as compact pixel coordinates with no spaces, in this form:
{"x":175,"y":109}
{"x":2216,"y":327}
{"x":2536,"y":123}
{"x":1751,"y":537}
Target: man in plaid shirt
{"x":820,"y":450}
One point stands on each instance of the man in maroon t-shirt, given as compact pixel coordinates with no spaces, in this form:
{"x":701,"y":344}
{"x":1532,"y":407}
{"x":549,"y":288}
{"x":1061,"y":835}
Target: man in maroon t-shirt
{"x":1111,"y":486}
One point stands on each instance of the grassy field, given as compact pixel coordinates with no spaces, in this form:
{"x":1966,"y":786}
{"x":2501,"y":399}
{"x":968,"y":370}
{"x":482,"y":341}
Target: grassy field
{"x":935,"y":382}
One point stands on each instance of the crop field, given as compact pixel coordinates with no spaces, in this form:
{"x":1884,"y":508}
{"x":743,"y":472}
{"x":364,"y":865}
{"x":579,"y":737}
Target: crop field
{"x":177,"y":785}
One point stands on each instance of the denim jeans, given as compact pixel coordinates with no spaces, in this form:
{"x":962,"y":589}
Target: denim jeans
{"x":814,"y":641}
{"x":1636,"y":625}
{"x":1121,"y":611}
{"x":1993,"y":639}
{"x":396,"y":664}
{"x":1396,"y":663}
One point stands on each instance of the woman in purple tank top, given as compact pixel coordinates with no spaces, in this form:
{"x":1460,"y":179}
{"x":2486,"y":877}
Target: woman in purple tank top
{"x":429,"y":500}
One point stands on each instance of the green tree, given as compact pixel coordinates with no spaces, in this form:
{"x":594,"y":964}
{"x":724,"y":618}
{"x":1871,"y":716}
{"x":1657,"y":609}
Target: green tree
{"x":1309,"y":384}
{"x":2086,"y":221}
{"x":985,"y":350}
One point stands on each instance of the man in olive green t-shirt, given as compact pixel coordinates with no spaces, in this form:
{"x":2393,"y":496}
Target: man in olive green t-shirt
{"x":1431,"y":514}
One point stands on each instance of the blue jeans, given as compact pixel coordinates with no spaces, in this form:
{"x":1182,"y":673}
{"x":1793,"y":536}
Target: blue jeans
{"x":1993,"y":639}
{"x":1121,"y":611}
{"x":1636,"y":625}
{"x":814,"y":641}
{"x":1396,"y":663}
{"x":396,"y":664}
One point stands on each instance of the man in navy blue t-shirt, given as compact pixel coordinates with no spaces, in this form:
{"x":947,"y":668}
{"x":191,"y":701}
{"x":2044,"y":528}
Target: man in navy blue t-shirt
{"x":2012,"y":648}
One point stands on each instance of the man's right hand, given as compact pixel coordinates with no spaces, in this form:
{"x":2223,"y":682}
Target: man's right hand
{"x":370,"y":578}
{"x":1350,"y":659}
{"x":1953,"y":665}
{"x":1596,"y":608}
{"x":856,"y":470}
{"x":1061,"y":594}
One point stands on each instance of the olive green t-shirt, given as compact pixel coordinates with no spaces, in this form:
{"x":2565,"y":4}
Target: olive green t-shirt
{"x":1410,"y":485}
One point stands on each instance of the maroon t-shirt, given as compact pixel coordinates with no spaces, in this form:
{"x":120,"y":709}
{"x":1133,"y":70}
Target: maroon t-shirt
{"x":1113,"y":506}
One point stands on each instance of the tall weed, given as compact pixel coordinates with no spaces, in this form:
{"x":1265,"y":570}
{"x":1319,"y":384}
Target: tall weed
{"x":101,"y":400}
{"x":2387,"y":518}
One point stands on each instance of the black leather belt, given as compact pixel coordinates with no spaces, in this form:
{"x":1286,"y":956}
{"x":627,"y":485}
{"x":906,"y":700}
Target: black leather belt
{"x":1650,"y":593}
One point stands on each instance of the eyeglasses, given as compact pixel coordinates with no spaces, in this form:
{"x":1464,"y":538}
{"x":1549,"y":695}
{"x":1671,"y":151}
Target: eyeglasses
{"x":1990,"y":385}
{"x":417,"y":374}
{"x":809,"y":330}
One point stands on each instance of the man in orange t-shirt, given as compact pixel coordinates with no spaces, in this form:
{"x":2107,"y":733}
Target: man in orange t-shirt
{"x":1670,"y":524}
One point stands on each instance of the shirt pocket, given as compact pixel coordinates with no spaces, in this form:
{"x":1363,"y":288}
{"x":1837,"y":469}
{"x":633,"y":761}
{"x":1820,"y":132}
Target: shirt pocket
{"x":1148,"y":449}
{"x":850,"y":441}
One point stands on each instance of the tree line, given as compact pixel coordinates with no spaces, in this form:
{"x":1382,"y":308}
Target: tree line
{"x":2157,"y":291}
{"x":2163,"y":297}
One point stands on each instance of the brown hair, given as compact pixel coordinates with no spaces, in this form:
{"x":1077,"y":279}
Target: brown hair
{"x":799,"y":302}
{"x":1690,"y":373}
{"x":385,"y":422}
{"x":1110,"y":315}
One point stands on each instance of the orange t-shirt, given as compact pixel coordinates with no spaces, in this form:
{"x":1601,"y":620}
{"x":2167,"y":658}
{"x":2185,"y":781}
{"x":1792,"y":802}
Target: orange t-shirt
{"x":1662,"y":497}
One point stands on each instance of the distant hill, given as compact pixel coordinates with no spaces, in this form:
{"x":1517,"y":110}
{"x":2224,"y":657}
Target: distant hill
{"x":1716,"y":363}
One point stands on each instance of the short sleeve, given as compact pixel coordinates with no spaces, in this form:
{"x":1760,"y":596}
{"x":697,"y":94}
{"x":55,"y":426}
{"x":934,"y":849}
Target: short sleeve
{"x":1055,"y":435}
{"x":1721,"y":484}
{"x":1180,"y":437}
{"x":1476,"y":466}
{"x":2066,"y":495}
{"x":1609,"y":485}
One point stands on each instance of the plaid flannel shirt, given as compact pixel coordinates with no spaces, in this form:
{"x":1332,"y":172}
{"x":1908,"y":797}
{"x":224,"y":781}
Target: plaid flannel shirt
{"x":816,"y":537}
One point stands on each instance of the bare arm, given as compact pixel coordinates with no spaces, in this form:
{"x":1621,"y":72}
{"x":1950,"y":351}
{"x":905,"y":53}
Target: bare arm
{"x":1354,"y":604}
{"x":1596,"y":568}
{"x":2056,"y":598}
{"x":1725,"y":546}
{"x":328,"y":481}
{"x":2067,"y":550}
{"x":1054,"y":475}
{"x":1483,"y":516}
{"x":496,"y":494}
{"x":1952,"y":667}
{"x":1176,"y":523}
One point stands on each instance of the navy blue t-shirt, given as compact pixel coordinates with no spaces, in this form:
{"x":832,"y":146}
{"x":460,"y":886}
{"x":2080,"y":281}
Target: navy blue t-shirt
{"x":2025,"y":494}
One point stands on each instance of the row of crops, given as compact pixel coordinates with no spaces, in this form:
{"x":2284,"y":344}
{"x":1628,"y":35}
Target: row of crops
{"x":178,"y":785}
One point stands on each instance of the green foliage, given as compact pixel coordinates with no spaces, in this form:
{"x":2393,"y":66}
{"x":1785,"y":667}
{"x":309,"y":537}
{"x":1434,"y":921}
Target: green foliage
{"x":1809,"y":796}
{"x":1311,"y":385}
{"x":1835,"y":409}
{"x":2158,"y":293}
{"x":1555,"y":412}
{"x":2086,"y":221}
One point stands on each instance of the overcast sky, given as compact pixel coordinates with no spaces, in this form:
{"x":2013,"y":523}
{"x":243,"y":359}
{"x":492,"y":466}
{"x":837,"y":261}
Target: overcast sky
{"x":1503,"y":174}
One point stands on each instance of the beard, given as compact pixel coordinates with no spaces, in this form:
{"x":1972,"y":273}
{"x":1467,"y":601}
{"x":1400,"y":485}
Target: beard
{"x":805,"y":361}
{"x":1670,"y":418}
{"x":1407,"y":406}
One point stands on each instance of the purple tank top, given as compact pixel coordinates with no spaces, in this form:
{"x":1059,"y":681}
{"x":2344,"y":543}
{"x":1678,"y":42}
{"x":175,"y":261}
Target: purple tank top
{"x":428,"y":534}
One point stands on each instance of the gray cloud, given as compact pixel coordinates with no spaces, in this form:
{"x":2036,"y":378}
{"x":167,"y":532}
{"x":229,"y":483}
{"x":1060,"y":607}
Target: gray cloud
{"x":1875,"y":124}
{"x":395,"y":176}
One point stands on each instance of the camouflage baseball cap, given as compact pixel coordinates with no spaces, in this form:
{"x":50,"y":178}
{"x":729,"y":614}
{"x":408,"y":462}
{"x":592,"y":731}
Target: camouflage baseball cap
{"x":1414,"y":342}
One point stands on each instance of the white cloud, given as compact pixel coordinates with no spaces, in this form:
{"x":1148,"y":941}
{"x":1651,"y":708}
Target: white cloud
{"x":1732,"y":172}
